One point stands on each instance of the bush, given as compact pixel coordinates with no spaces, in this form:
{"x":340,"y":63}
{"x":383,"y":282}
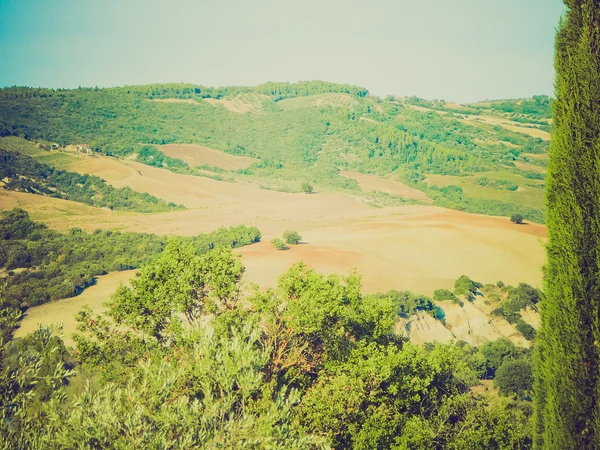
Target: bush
{"x":526,"y":330}
{"x":516,"y":218}
{"x":292,"y":237}
{"x":279,"y":244}
{"x":467,"y":287}
{"x":445,"y":294}
{"x":307,"y":188}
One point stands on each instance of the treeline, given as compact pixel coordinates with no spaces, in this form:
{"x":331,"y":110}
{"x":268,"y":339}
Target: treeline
{"x":276,"y":90}
{"x":60,"y":265}
{"x":23,"y":173}
{"x":182,"y":359}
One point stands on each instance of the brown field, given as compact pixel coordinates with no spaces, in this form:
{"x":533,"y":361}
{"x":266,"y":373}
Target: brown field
{"x":419,"y":248}
{"x":196,"y":155}
{"x":63,"y":311}
{"x":410,"y":247}
{"x":374,"y":183}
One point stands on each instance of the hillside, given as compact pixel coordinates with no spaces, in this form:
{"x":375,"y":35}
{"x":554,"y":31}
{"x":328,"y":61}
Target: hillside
{"x":485,"y":158}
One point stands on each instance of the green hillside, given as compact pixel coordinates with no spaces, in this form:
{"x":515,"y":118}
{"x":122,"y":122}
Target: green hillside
{"x":308,"y":132}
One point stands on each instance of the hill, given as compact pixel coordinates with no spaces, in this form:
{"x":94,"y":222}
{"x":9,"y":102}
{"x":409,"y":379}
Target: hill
{"x":308,"y":133}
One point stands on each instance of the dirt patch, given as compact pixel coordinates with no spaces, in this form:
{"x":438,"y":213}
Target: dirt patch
{"x":196,"y":155}
{"x":63,"y":311}
{"x":371,"y":183}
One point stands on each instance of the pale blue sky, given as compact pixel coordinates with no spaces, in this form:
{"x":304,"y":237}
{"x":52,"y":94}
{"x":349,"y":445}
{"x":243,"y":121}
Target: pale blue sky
{"x":462,"y":50}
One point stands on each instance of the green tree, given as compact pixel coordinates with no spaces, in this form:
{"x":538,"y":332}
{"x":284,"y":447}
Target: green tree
{"x":514,"y":377}
{"x":178,"y":282}
{"x":292,"y":237}
{"x":516,"y":218}
{"x":567,"y":386}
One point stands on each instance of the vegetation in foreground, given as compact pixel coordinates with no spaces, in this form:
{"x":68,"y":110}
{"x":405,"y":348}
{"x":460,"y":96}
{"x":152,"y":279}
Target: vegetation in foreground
{"x":182,"y":360}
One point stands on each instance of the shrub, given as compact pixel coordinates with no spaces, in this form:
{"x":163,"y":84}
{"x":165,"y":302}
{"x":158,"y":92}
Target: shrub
{"x":307,"y":188}
{"x":292,"y":237}
{"x":278,"y":244}
{"x":526,"y":330}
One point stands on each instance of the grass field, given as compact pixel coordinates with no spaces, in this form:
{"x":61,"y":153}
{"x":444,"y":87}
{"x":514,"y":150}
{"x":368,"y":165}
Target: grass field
{"x":529,"y":193}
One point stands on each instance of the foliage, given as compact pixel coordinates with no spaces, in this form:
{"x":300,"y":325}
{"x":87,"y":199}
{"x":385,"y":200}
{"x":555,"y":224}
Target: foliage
{"x":522,"y":297}
{"x":292,"y":237}
{"x":179,"y":282}
{"x":514,"y":377}
{"x":467,"y":287}
{"x":407,"y":303}
{"x":445,"y":294}
{"x":279,"y":244}
{"x":63,"y":265}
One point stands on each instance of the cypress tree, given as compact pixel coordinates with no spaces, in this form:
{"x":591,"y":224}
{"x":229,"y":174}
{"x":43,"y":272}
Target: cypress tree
{"x":567,"y":375}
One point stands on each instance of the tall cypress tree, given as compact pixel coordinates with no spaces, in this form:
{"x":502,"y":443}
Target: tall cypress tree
{"x":567,"y":386}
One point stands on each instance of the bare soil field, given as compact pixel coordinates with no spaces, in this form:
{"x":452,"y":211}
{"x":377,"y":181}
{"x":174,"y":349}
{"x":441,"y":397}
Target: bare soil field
{"x":418,"y":248}
{"x":196,"y":155}
{"x":374,"y":183}
{"x":63,"y":311}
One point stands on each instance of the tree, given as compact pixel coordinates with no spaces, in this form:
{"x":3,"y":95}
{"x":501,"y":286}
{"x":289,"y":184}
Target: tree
{"x":567,"y":373}
{"x":278,"y":244}
{"x":514,"y":377}
{"x":292,"y":237}
{"x":516,"y":218}
{"x":307,"y":188}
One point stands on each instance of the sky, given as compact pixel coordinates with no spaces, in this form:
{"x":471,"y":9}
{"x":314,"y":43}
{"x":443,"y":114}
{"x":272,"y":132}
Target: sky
{"x":458,"y":50}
